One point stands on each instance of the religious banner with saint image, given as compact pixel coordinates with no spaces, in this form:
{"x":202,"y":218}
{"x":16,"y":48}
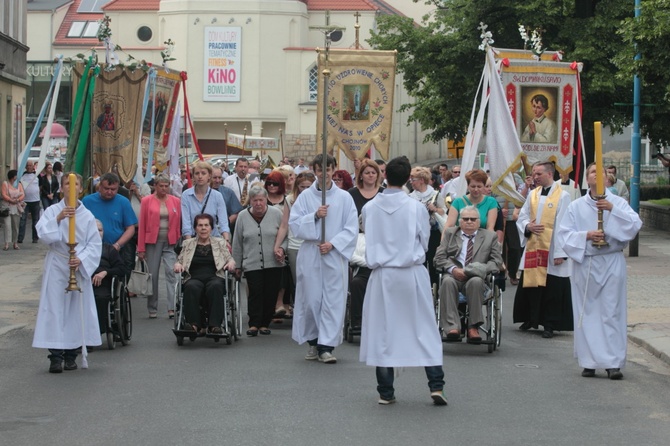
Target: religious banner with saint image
{"x":359,"y":103}
{"x":541,"y":96}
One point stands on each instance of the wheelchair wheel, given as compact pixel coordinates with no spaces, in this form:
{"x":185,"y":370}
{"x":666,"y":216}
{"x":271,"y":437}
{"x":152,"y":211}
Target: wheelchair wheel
{"x":180,"y":340}
{"x":125,"y":316}
{"x":497,"y":304}
{"x":111,"y":317}
{"x":232,"y":329}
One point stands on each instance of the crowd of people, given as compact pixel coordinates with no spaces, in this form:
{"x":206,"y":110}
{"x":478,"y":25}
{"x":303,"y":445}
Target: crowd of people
{"x":301,"y":257}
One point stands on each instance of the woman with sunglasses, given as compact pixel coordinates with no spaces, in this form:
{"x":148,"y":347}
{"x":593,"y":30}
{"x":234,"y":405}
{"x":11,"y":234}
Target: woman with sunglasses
{"x":476,"y":196}
{"x":342,"y":179}
{"x":275,"y":186}
{"x":302,"y":182}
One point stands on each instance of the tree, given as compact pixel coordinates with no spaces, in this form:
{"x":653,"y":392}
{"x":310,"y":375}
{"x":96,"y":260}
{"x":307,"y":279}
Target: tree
{"x":647,"y":36}
{"x":442,"y":65}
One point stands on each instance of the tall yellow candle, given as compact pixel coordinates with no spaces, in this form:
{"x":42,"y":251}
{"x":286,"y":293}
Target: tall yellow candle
{"x":72,"y":201}
{"x":598,"y":135}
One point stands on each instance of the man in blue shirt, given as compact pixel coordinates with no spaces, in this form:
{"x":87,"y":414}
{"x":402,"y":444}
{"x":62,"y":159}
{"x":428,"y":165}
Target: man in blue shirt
{"x":233,"y":206}
{"x":116,"y":214}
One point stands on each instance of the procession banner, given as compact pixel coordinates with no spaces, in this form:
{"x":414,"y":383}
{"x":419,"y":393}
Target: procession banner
{"x":252,"y":142}
{"x":359,"y":103}
{"x":163,"y":101}
{"x":116,"y":115}
{"x":541,"y":96}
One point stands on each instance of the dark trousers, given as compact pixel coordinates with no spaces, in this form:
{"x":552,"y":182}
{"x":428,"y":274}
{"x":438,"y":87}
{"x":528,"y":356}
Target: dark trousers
{"x":511,"y":249}
{"x":208,"y":295}
{"x":358,"y":285}
{"x":263,"y":288}
{"x":433,"y":243}
{"x":320,"y":348}
{"x":435,"y":376}
{"x":102,"y":299}
{"x":34,"y":208}
{"x":127,"y":254}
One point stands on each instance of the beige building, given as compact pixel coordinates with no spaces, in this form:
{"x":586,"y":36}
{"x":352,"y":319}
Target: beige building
{"x":272,"y":86}
{"x":13,"y":82}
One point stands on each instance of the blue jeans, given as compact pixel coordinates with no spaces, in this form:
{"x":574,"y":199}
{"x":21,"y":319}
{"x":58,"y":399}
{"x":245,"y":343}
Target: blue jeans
{"x":434,"y":373}
{"x":63,"y":354}
{"x":320,"y":348}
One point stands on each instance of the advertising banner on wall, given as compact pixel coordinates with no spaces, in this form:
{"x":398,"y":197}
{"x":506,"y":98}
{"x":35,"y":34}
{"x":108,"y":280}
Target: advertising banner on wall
{"x":223,"y":60}
{"x":359,"y":103}
{"x":542,"y":97}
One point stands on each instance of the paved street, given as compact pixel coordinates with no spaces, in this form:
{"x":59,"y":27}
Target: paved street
{"x":261,"y":390}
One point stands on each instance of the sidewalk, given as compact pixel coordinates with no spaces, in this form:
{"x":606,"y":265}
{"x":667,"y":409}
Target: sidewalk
{"x":648,"y":284}
{"x":648,"y":301}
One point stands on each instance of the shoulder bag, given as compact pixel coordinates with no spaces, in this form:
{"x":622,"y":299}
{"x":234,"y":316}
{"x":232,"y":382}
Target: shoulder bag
{"x":140,"y":279}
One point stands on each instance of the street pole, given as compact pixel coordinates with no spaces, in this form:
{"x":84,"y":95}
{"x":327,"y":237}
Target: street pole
{"x":635,"y":149}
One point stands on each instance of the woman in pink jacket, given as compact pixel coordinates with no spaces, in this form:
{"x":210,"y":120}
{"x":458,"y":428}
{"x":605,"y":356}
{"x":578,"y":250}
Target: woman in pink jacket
{"x":158,"y":232}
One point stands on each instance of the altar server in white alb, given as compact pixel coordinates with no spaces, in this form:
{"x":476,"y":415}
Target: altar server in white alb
{"x":399,"y":327}
{"x":67,"y":320}
{"x":322,"y":268}
{"x":599,"y":277}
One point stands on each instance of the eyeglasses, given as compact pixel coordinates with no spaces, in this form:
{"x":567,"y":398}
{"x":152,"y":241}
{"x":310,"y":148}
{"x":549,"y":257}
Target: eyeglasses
{"x":414,"y":179}
{"x":469,"y":218}
{"x":455,"y":171}
{"x":271,"y":183}
{"x":338,"y":180}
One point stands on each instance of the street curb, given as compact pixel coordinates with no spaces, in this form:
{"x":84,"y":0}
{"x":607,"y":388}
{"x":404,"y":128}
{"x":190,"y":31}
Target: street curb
{"x":655,"y":342}
{"x":7,"y":329}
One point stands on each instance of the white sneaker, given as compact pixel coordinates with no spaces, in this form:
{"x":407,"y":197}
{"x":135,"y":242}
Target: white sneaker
{"x":384,"y":402}
{"x":327,"y":357}
{"x":311,"y":353}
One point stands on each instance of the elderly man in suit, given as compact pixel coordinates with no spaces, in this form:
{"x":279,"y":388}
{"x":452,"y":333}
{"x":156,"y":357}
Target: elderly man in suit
{"x":466,"y":255}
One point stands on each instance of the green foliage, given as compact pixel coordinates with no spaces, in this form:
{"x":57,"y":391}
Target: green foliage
{"x":441,"y":63}
{"x":661,"y":202}
{"x":647,"y":36}
{"x":648,"y":193}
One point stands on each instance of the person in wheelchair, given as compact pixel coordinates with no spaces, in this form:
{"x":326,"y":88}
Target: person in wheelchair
{"x":203,"y":261}
{"x":111,"y":265}
{"x":466,"y":255}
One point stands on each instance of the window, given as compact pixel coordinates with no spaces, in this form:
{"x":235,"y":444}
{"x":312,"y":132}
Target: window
{"x":76,"y":29}
{"x":91,"y":6}
{"x":313,"y":84}
{"x":91,"y":29}
{"x":144,"y":33}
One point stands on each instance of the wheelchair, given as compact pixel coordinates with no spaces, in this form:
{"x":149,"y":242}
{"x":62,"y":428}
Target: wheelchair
{"x":351,"y":330}
{"x":232,"y":318}
{"x":492,"y":326}
{"x":119,"y":315}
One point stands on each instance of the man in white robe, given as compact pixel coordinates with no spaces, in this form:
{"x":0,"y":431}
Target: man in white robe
{"x":67,"y":320}
{"x":322,"y":274}
{"x":399,"y":327}
{"x":599,"y":277}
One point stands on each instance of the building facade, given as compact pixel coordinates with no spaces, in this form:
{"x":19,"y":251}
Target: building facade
{"x":13,"y":81}
{"x":276,"y":76}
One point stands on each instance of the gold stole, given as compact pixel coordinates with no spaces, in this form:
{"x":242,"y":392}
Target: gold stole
{"x":537,"y":246}
{"x":245,"y":192}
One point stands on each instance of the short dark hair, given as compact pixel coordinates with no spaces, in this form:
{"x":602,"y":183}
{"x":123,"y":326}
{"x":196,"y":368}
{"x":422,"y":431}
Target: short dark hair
{"x":110,"y":178}
{"x":380,"y":162}
{"x":243,"y":159}
{"x":318,"y":161}
{"x":548,"y":166}
{"x":203,"y":217}
{"x":613,"y":167}
{"x":12,"y":174}
{"x":58,"y":167}
{"x":397,"y":171}
{"x":542,"y":99}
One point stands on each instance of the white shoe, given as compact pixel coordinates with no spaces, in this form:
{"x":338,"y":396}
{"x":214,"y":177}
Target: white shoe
{"x":311,"y":353}
{"x":384,"y":402}
{"x":327,"y":358}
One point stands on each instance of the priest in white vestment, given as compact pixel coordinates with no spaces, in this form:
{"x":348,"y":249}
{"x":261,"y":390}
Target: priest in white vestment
{"x":67,"y":320}
{"x":322,"y":274}
{"x":599,"y":277}
{"x":399,"y":328}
